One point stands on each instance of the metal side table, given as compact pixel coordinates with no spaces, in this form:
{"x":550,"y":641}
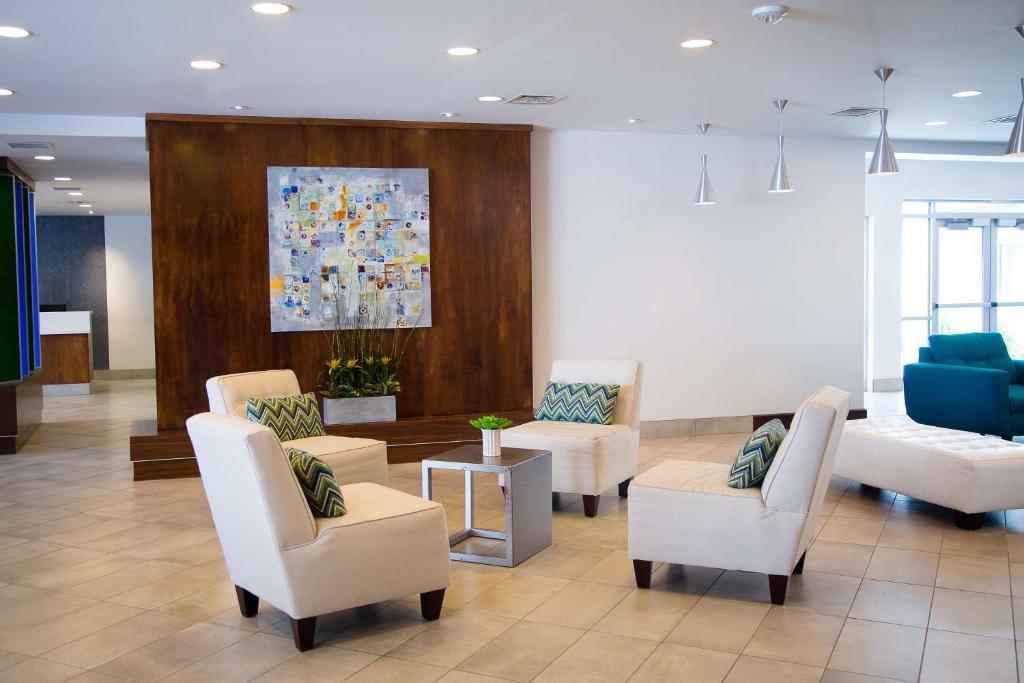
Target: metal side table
{"x":527,"y":477}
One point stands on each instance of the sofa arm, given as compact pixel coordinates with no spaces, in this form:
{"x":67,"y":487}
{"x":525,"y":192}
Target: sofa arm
{"x":958,"y":397}
{"x":1018,"y":365}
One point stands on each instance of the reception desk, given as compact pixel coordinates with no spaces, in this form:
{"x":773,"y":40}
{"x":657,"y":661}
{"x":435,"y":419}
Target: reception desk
{"x":66,"y":343}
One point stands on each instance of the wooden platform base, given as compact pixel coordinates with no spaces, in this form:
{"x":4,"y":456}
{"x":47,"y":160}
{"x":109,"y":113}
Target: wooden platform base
{"x":168,"y":454}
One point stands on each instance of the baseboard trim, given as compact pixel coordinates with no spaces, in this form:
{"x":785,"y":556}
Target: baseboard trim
{"x":887,"y":385}
{"x":123,"y":373}
{"x":720,"y":425}
{"x":76,"y":389}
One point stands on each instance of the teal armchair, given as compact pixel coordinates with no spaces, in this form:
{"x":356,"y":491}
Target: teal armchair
{"x":967,"y":382}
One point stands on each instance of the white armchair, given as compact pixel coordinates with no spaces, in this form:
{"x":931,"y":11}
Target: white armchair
{"x":352,"y":459}
{"x":588,"y":458}
{"x":388,"y":545}
{"x":685,"y":513}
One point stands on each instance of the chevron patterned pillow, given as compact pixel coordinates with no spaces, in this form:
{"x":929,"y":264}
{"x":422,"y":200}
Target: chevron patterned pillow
{"x":754,"y":459}
{"x":318,"y":483}
{"x":291,"y":417}
{"x":576,"y":402}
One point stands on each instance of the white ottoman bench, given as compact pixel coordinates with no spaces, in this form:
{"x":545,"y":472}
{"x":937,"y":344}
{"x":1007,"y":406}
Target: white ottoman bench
{"x":966,"y":472}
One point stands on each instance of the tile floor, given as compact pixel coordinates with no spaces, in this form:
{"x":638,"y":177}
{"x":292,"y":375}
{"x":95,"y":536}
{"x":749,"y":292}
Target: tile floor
{"x":104,"y":579}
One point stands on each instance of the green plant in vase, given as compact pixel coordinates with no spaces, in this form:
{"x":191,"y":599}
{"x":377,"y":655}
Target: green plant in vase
{"x":490,"y":427}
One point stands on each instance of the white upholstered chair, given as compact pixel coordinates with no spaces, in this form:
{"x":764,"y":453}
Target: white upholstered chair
{"x":351,"y":459}
{"x":685,"y":513}
{"x":588,"y":458}
{"x":388,"y":545}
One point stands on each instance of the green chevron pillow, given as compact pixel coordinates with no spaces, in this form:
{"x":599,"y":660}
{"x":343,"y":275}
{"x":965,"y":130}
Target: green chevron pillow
{"x":577,"y":402}
{"x":754,"y":459}
{"x":318,"y":483}
{"x":291,"y":417}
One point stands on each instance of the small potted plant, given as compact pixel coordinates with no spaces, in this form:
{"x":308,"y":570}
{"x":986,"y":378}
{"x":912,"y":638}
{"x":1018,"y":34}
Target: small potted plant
{"x":490,"y":426}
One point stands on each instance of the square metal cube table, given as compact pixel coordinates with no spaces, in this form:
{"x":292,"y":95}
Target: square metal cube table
{"x":527,"y":477}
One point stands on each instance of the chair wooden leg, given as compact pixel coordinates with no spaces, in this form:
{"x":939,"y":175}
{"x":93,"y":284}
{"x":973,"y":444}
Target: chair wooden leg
{"x":304,"y":633}
{"x":590,"y":505}
{"x":968,"y":521}
{"x":624,"y":488}
{"x":799,"y":568}
{"x":248,"y":604}
{"x":430,"y":604}
{"x":777,"y":587}
{"x":642,"y":570}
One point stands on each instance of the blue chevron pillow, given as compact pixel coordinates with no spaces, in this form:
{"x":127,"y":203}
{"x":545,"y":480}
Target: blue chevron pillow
{"x":323,"y":494}
{"x":754,"y":459}
{"x":291,"y":417}
{"x":576,"y":402}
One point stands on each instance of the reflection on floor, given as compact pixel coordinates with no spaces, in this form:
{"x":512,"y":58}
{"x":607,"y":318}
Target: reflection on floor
{"x":103,"y":579}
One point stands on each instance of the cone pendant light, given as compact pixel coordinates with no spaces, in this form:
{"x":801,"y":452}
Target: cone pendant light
{"x":883,"y":161}
{"x":781,"y":182}
{"x":705,"y":195}
{"x":1015,"y":147}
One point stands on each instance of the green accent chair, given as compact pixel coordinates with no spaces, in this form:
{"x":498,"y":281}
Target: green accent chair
{"x":967,"y":382}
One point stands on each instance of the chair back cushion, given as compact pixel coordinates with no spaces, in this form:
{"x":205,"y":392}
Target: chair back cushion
{"x":227,"y":393}
{"x":799,"y":474}
{"x":976,"y":349}
{"x":756,"y":455}
{"x":291,"y":417}
{"x":626,"y":373}
{"x":579,"y":402}
{"x":323,"y":494}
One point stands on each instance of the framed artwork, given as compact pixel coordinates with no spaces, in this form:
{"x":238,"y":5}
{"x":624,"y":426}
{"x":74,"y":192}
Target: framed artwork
{"x":347,"y":244}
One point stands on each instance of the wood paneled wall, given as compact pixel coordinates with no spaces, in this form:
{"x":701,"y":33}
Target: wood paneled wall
{"x":210,"y":256}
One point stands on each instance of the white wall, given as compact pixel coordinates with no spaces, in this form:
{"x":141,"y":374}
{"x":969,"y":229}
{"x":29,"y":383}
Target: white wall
{"x":129,"y":249}
{"x":741,"y":308}
{"x":940,"y":178}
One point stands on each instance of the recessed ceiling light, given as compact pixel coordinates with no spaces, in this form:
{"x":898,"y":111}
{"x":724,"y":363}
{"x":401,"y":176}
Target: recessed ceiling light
{"x":462,"y":51}
{"x":75,"y":193}
{"x":490,"y":98}
{"x":271,"y":8}
{"x":62,"y":179}
{"x":205,"y":64}
{"x":13,"y":32}
{"x":633,"y":120}
{"x":4,"y":92}
{"x":91,"y":211}
{"x":936,"y":123}
{"x":238,"y":107}
{"x":449,"y":114}
{"x":696,"y":42}
{"x":966,"y":93}
{"x":44,"y":157}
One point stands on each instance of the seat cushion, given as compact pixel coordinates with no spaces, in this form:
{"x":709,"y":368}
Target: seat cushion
{"x":291,"y":417}
{"x":323,"y":495}
{"x":1017,"y":398}
{"x":755,"y":456}
{"x":578,"y":402}
{"x":976,"y":349}
{"x":693,"y":476}
{"x":353,"y":460}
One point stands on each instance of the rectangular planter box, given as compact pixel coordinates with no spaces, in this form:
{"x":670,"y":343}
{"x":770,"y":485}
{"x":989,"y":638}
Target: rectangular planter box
{"x":347,"y":411}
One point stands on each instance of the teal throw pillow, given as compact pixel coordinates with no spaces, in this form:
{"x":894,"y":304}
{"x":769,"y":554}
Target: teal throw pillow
{"x":754,"y":459}
{"x":323,"y":494}
{"x":291,"y":417}
{"x":577,"y":402}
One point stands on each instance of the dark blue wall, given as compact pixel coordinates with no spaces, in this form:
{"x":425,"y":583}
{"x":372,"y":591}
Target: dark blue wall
{"x":73,"y":271}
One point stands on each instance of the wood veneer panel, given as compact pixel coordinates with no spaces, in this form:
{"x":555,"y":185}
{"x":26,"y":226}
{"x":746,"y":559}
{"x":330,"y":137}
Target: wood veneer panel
{"x":66,"y":359}
{"x":210,"y":253}
{"x":787,"y":418}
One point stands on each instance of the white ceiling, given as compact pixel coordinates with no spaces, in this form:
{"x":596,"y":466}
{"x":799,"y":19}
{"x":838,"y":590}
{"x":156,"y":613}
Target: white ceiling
{"x":612,"y":60}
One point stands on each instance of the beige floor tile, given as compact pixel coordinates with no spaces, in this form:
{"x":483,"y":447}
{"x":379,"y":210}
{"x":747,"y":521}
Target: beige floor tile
{"x":387,"y":670}
{"x":381,"y":631}
{"x":740,"y":586}
{"x":38,"y":671}
{"x":845,"y":559}
{"x":911,"y":536}
{"x":169,"y":589}
{"x":95,"y":568}
{"x":320,"y":665}
{"x":893,"y":603}
{"x":975,"y":543}
{"x":958,"y":657}
{"x":649,"y":614}
{"x":603,"y":533}
{"x":517,"y":596}
{"x":169,"y":654}
{"x":563,"y":562}
{"x":980,"y":574}
{"x":616,"y":568}
{"x":35,"y":639}
{"x":877,"y":649}
{"x":522,"y":652}
{"x":451,"y":639}
{"x":94,"y":677}
{"x":455,"y":676}
{"x":835,"y":676}
{"x":467,"y":585}
{"x":795,"y":636}
{"x":122,"y":581}
{"x":241,"y":661}
{"x":717,"y":624}
{"x":903,"y":566}
{"x":599,"y":657}
{"x":864,"y":506}
{"x":579,"y":604}
{"x":206,"y":604}
{"x":851,"y":530}
{"x":982,"y":614}
{"x":1017,"y":579}
{"x":113,"y":641}
{"x":756,"y":670}
{"x":822,"y":593}
{"x":682,"y":663}
{"x":8,"y":658}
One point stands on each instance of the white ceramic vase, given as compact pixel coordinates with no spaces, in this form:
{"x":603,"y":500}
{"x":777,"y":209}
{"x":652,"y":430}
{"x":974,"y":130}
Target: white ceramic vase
{"x":492,"y":443}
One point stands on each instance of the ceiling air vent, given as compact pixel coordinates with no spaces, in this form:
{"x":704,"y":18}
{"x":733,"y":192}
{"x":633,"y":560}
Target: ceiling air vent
{"x":30,"y":145}
{"x":857,"y":111}
{"x":534,"y":99}
{"x":1003,"y":119}
{"x":67,"y":189}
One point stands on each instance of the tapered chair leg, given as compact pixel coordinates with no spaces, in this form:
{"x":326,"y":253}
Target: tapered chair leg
{"x":968,"y":521}
{"x":430,"y":604}
{"x":590,"y":505}
{"x":642,"y":570}
{"x":248,"y":604}
{"x":304,"y":633}
{"x":624,"y":488}
{"x":777,"y":587}
{"x":799,"y":568}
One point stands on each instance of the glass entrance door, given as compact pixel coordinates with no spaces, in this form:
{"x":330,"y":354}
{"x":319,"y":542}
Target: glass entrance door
{"x":961,"y":296}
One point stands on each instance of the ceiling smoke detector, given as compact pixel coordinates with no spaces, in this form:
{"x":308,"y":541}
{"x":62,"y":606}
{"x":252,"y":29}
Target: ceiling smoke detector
{"x":856,"y":111}
{"x":769,"y":14}
{"x":534,"y":99}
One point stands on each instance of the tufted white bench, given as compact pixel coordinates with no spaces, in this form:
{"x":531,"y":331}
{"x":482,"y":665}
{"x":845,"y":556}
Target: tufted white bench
{"x":969,"y":473}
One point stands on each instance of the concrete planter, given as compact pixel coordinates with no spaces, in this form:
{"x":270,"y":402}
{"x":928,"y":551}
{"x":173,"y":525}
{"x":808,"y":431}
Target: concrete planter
{"x":347,"y":411}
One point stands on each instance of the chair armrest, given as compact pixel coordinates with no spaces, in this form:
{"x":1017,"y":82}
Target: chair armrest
{"x":958,"y":397}
{"x":1018,"y":365}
